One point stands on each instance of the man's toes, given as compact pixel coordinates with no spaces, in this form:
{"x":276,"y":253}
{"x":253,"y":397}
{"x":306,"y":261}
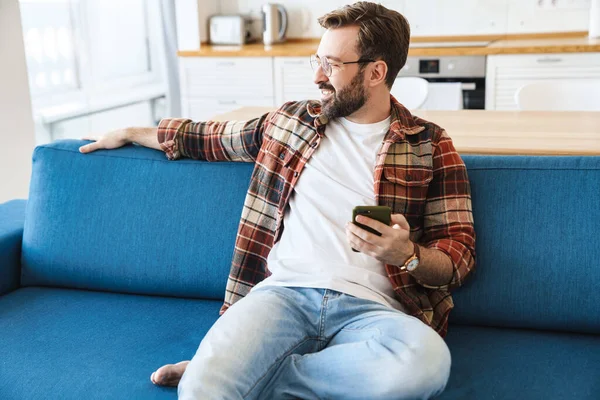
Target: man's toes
{"x":161,"y":375}
{"x":169,"y":375}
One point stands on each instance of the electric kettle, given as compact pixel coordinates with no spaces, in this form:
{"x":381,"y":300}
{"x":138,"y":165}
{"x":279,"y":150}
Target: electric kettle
{"x":274,"y":23}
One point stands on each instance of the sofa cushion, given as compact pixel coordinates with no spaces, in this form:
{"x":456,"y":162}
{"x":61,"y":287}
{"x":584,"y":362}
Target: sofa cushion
{"x":74,"y":344}
{"x":129,"y":220}
{"x":509,"y":364}
{"x":537,"y":221}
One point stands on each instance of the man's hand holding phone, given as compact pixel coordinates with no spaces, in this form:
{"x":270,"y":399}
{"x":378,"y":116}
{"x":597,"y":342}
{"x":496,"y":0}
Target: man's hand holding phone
{"x":392,"y":247}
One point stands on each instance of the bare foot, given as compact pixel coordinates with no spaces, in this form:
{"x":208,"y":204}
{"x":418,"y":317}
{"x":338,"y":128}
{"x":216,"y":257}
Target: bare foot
{"x":170,"y":374}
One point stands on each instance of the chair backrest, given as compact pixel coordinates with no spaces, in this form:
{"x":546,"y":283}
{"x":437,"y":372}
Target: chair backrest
{"x":444,"y":96}
{"x":410,"y":91}
{"x":560,"y":95}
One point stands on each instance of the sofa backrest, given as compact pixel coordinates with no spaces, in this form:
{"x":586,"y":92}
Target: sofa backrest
{"x":129,"y":220}
{"x":537,"y":221}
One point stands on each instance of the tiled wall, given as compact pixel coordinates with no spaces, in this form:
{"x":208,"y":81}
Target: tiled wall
{"x":440,"y":17}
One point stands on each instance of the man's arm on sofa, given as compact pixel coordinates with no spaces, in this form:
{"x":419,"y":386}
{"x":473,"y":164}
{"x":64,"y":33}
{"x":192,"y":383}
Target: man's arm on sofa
{"x":12,"y":219}
{"x":212,"y":140}
{"x":180,"y":137}
{"x":121,"y":137}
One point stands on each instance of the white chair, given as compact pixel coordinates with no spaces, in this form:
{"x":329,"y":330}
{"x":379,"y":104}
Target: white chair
{"x":410,"y":91}
{"x":560,"y":95}
{"x":444,"y":96}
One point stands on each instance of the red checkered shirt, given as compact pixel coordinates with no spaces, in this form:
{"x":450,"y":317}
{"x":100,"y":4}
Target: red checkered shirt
{"x":418,"y":173}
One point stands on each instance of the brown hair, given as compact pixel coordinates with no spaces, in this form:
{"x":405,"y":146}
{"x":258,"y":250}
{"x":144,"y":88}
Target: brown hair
{"x":383,"y":34}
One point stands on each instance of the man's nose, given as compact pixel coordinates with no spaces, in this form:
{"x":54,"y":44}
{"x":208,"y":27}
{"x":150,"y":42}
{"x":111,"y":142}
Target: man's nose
{"x":319,"y":76}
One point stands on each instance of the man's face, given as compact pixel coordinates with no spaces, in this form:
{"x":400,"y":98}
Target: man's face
{"x":342,"y":93}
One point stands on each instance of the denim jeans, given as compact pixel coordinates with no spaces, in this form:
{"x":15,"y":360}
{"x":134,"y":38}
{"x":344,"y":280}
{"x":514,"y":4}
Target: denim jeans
{"x":305,"y":343}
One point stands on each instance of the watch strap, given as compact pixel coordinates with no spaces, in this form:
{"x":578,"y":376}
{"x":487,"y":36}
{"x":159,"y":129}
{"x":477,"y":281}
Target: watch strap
{"x":415,"y":256}
{"x":417,"y":251}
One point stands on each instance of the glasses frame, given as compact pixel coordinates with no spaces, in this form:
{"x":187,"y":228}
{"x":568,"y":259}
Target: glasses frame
{"x":316,"y":62}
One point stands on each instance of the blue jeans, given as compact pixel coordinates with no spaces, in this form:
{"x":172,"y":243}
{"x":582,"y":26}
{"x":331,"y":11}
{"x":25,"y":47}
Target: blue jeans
{"x":289,"y":343}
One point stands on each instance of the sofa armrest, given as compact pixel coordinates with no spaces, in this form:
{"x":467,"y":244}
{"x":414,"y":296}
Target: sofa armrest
{"x":12,"y":220}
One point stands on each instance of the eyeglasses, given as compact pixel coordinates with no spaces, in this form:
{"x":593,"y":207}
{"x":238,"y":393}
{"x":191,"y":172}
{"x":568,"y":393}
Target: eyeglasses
{"x":327,"y":66}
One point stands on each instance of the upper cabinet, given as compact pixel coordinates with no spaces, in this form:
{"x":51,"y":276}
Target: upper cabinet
{"x":463,"y":17}
{"x":536,"y":16}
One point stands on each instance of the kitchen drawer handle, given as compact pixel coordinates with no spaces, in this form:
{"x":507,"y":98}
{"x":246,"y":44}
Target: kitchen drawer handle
{"x":223,"y":102}
{"x":226,"y":64}
{"x":549,"y":60}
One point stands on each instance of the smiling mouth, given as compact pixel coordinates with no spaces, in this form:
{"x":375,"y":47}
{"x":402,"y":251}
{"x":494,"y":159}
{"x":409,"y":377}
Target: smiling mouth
{"x":326,"y":93}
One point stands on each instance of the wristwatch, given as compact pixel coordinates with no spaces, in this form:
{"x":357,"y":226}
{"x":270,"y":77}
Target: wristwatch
{"x":413,"y":261}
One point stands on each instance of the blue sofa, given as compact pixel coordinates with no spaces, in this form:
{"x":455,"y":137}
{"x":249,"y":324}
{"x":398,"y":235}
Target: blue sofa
{"x":117,"y":264}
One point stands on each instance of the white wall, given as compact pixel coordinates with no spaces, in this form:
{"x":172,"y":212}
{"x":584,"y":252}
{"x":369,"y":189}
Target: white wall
{"x":16,"y":131}
{"x":441,"y":17}
{"x":192,"y":17}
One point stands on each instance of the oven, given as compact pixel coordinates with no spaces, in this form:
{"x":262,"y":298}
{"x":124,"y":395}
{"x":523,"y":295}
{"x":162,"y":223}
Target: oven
{"x":450,"y":77}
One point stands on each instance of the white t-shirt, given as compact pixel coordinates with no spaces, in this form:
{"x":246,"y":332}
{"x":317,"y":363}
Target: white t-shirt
{"x":313,"y":250}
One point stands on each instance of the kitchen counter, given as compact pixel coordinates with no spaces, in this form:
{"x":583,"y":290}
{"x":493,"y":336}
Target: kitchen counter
{"x":501,"y":132}
{"x":572,"y":42}
{"x":558,"y":45}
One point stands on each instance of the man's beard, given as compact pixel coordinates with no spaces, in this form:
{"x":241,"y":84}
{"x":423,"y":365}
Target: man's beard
{"x":347,"y":100}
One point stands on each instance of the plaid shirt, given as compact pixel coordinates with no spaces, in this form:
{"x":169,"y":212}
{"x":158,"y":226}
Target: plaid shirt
{"x":418,"y":173}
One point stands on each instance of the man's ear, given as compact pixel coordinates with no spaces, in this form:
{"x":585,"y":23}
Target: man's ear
{"x":378,"y":73}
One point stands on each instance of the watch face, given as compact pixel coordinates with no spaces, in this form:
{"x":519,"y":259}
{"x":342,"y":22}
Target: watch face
{"x":412,"y":265}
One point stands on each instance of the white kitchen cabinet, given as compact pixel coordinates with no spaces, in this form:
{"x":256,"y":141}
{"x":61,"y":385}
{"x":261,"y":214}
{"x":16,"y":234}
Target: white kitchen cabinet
{"x":215,"y":85}
{"x":294,"y":80}
{"x":506,"y":74}
{"x":204,"y":109}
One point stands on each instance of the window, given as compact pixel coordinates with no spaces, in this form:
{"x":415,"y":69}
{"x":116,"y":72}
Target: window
{"x":86,"y":57}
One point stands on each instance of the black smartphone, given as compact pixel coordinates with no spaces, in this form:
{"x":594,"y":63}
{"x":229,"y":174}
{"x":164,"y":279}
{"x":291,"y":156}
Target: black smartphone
{"x":382,"y":214}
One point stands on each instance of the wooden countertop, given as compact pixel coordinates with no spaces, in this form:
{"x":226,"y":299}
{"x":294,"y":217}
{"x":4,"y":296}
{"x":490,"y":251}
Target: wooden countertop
{"x":501,"y":132}
{"x":571,"y":42}
{"x":557,"y":45}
